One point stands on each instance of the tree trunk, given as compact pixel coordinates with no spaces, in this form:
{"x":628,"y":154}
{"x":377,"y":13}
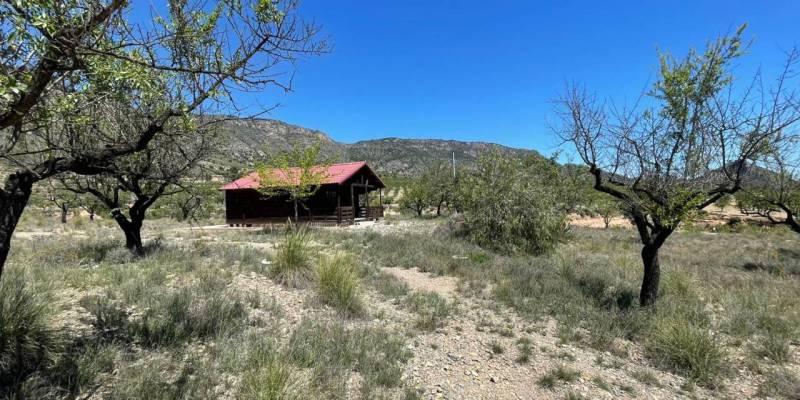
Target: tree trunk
{"x":13,"y":199}
{"x":652,"y":275}
{"x":296,"y":215}
{"x":132,"y":230}
{"x":64,"y":210}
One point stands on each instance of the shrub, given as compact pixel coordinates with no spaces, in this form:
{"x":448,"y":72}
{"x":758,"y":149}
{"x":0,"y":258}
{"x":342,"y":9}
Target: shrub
{"x":28,"y":344}
{"x":513,"y":204}
{"x":338,"y":284}
{"x":687,"y":348}
{"x":292,"y":263}
{"x":432,"y":310}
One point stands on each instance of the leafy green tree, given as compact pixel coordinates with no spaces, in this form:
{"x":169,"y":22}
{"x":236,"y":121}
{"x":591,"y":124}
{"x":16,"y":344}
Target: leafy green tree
{"x":416,"y":197}
{"x":70,"y":71}
{"x":297,"y":173}
{"x":440,"y":184}
{"x":683,"y":147}
{"x":513,"y":204}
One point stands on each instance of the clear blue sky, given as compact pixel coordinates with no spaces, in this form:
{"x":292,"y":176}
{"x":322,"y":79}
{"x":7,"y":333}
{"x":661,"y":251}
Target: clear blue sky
{"x":477,"y":70}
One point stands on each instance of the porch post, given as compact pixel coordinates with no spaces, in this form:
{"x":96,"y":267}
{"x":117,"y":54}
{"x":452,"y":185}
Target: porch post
{"x":339,"y":205}
{"x":352,"y":202}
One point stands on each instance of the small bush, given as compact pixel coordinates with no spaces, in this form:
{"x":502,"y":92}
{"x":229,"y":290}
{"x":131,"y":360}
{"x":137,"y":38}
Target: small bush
{"x":338,"y":284}
{"x":292,"y":263}
{"x":687,"y":348}
{"x":510,"y":204}
{"x":432,"y":310}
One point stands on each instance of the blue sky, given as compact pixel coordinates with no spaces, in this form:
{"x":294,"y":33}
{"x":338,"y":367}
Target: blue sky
{"x":487,"y":71}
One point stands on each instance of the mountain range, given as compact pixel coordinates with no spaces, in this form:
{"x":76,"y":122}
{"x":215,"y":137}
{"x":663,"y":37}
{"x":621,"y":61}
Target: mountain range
{"x":251,"y":140}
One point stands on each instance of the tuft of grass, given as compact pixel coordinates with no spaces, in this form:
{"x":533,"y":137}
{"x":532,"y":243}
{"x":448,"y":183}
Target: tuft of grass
{"x":562,"y":373}
{"x":525,"y":350}
{"x":496,"y":347}
{"x":338,"y":284}
{"x":601,"y":383}
{"x":271,"y":379}
{"x":28,"y":344}
{"x":687,"y":348}
{"x":291,"y":264}
{"x":431,"y":308}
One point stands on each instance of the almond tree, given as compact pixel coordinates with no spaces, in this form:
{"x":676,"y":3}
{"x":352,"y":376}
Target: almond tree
{"x":297,"y":173}
{"x":72,"y":70}
{"x":773,"y":190}
{"x":136,"y":182}
{"x":685,"y":145}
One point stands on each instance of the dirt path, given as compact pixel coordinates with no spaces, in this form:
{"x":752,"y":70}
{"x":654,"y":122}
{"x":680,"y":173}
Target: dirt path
{"x":478,"y":355}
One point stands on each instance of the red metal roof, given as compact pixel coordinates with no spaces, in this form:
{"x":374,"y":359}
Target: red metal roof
{"x":335,"y":174}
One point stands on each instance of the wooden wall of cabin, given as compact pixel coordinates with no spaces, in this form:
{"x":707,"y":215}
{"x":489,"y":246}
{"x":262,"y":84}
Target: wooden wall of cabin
{"x":244,"y":204}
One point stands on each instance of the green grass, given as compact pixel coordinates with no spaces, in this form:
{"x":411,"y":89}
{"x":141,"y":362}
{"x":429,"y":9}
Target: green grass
{"x":338,"y":284}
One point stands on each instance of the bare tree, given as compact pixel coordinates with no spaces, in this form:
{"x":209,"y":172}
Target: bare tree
{"x":71,"y":71}
{"x":773,"y":190}
{"x":681,"y":147}
{"x":137,"y":181}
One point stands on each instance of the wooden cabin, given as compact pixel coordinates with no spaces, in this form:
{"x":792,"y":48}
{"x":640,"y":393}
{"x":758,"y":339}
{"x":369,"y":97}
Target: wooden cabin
{"x":343,"y":198}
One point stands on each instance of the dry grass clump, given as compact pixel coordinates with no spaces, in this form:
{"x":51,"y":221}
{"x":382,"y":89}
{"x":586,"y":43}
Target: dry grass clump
{"x":291,"y":264}
{"x":432,"y":310}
